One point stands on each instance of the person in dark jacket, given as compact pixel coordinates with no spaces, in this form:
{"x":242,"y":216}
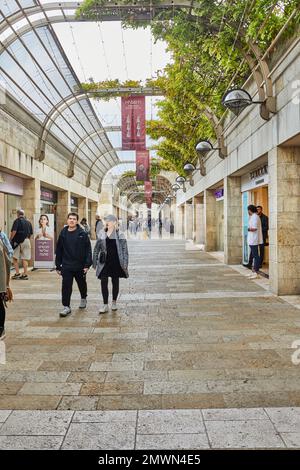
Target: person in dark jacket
{"x":110,"y":259}
{"x":73,"y":260}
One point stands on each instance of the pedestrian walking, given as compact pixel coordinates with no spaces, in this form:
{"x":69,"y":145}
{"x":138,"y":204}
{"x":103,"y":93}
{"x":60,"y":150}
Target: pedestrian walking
{"x":98,"y":226}
{"x":5,"y":291}
{"x":20,"y":235}
{"x":110,"y":259}
{"x":254,"y":238}
{"x":6,"y":244}
{"x":73,"y":260}
{"x":85,"y":226}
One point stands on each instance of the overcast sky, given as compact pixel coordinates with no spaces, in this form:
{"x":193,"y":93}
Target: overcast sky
{"x":105,"y":51}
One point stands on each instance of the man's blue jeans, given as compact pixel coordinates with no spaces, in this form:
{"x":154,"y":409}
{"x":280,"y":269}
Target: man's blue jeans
{"x":256,"y":257}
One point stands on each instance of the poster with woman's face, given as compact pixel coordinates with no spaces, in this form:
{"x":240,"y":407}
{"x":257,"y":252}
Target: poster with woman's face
{"x":43,"y":240}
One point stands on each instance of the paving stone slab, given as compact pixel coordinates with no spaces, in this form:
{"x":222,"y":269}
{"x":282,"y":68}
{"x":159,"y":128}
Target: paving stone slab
{"x":251,"y":434}
{"x":171,"y":441}
{"x":170,"y":422}
{"x":36,"y":423}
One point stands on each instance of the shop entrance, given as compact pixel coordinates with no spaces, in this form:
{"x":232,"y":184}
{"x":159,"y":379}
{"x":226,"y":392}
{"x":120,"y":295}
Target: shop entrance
{"x":260,"y":197}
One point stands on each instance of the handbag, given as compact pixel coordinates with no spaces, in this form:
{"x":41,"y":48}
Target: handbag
{"x":102,"y":257}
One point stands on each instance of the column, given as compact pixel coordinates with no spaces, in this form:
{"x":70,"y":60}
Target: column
{"x":31,"y":204}
{"x":233,"y":240}
{"x":210,"y":220}
{"x":284,"y":220}
{"x":63,"y":208}
{"x":83,"y":208}
{"x":31,"y":200}
{"x":178,"y":221}
{"x":94,"y":212}
{"x":188,"y":220}
{"x":199,"y":220}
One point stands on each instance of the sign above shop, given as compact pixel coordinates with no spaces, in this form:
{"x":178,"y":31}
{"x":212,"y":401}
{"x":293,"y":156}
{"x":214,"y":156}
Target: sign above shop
{"x":256,"y":178}
{"x":48,"y":195}
{"x":263,"y":170}
{"x":219,"y":193}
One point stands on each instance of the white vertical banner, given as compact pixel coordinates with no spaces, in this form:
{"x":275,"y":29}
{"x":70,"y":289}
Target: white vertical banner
{"x":44,"y":241}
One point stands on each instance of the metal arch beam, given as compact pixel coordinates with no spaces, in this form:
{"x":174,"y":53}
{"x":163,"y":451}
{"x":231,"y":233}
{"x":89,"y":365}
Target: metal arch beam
{"x":17,"y":36}
{"x":83,"y":141}
{"x":218,"y":130}
{"x":64,"y":10}
{"x":112,"y":7}
{"x":50,"y":120}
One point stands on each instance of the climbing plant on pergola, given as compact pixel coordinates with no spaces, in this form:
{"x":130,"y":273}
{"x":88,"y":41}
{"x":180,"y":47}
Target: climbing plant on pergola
{"x":209,"y":41}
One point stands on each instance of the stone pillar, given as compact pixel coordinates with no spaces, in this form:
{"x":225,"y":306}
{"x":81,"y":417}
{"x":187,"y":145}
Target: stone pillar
{"x":188,"y":220}
{"x":178,"y":221}
{"x":31,"y":204}
{"x":31,"y":200}
{"x":199,"y":220}
{"x":210,"y":220}
{"x":284,"y":220}
{"x":83,"y":208}
{"x":233,"y":240}
{"x":63,"y":208}
{"x":94,"y":212}
{"x":106,"y":200}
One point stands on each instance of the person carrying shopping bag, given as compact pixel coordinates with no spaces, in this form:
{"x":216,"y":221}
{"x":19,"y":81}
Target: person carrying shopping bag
{"x":110,"y":259}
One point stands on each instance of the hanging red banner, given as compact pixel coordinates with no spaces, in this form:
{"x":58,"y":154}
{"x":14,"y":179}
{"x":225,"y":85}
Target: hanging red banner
{"x":142,"y":165}
{"x":133,"y":123}
{"x":148,"y":193}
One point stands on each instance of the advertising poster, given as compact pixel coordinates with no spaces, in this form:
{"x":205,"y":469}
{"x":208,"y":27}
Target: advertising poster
{"x":148,"y":193}
{"x":133,"y":123}
{"x":142,"y":165}
{"x":44,"y":241}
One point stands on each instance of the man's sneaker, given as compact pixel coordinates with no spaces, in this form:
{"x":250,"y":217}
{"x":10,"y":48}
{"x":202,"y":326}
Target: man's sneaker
{"x":24,"y":277}
{"x":103,"y":309}
{"x":2,"y":333}
{"x":83,"y":303}
{"x":114,"y":306}
{"x":16,"y":276}
{"x":254,"y":276}
{"x":65,"y":312}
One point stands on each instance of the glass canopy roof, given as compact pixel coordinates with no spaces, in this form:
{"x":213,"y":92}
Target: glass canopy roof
{"x":36,"y":72}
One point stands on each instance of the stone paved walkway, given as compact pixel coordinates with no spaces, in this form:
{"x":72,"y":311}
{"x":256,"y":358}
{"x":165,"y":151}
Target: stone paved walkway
{"x":156,"y":429}
{"x":190,"y":333}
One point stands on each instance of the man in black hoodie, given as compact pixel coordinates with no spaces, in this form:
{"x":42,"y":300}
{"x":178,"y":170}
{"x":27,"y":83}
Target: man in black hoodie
{"x":73,"y":260}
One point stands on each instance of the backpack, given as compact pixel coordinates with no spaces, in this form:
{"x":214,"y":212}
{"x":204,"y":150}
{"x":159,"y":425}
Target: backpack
{"x":24,"y":230}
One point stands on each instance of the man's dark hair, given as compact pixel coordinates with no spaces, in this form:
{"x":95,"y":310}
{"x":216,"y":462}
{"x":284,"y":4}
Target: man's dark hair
{"x":252,"y":208}
{"x":74,"y":214}
{"x":259,"y":207}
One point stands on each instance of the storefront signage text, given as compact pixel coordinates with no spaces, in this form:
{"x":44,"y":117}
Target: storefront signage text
{"x":259,"y":172}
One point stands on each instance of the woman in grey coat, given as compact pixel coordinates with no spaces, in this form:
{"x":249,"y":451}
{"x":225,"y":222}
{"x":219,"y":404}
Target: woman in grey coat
{"x":110,"y":259}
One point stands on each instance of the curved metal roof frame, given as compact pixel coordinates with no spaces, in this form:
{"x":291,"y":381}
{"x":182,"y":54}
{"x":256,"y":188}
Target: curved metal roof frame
{"x":62,"y":105}
{"x":162,"y":187}
{"x":57,"y":12}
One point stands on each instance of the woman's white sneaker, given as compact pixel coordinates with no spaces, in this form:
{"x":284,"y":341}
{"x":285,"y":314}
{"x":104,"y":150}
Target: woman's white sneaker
{"x":114,"y":306}
{"x":104,"y":309}
{"x":65,"y":312}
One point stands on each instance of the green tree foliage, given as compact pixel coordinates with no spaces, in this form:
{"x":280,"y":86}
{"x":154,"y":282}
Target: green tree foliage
{"x":206,"y":45}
